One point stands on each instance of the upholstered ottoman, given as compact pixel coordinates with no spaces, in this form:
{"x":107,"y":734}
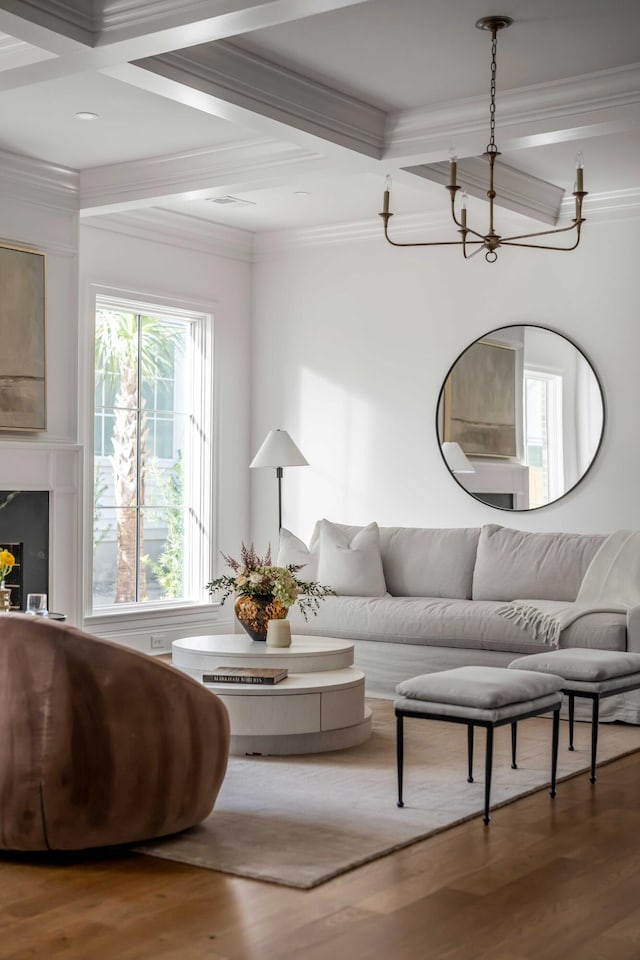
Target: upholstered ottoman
{"x":593,"y":674}
{"x":487,"y":697}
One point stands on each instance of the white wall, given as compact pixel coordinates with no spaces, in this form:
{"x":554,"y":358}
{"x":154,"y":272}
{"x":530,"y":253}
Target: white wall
{"x":39,"y":210}
{"x":353,"y":340}
{"x":222,"y":287}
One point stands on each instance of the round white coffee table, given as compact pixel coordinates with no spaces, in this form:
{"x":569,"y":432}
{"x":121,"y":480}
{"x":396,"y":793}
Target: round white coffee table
{"x":318,"y":707}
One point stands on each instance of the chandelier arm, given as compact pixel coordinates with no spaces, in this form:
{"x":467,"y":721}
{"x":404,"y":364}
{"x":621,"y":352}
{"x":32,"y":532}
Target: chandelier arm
{"x":431,"y":243}
{"x":543,"y":246}
{"x":545,"y":233}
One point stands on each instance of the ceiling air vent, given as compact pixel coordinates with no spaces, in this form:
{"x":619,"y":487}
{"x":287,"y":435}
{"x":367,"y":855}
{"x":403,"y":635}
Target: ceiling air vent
{"x":231,"y":201}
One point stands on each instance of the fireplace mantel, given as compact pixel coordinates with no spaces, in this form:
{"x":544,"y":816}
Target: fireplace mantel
{"x":498,"y":476}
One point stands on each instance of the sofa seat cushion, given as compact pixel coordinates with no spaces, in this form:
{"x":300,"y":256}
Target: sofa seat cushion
{"x":471,"y":624}
{"x":514,"y":564}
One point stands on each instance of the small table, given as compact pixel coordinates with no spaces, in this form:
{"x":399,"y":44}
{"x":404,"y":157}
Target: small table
{"x":318,"y":707}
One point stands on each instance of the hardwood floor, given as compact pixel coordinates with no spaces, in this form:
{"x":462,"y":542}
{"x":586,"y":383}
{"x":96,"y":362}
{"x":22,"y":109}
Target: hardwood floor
{"x":543,"y":882}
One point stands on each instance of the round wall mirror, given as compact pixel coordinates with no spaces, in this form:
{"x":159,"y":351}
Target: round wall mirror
{"x":520,"y":417}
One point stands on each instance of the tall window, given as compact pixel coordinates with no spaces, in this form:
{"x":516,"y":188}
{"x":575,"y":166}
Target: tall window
{"x":543,"y":435}
{"x":151,"y":454}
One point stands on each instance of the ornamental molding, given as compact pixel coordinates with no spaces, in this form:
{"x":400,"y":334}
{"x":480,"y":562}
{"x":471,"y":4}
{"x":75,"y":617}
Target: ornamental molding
{"x":177,"y":229}
{"x":579,"y":100}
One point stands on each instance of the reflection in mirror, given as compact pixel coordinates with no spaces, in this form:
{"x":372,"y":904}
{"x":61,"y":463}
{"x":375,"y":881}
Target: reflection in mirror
{"x":524,"y":407}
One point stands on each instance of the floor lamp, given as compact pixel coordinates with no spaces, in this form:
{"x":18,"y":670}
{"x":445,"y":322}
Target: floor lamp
{"x":278,"y":450}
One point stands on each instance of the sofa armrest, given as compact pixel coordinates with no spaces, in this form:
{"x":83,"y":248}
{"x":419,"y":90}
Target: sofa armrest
{"x":633,"y":629}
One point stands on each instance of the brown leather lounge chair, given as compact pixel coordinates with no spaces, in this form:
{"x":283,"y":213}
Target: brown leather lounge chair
{"x":99,"y":744}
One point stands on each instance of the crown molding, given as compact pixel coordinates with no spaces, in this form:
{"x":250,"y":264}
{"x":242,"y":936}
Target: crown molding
{"x":177,"y":229}
{"x":39,"y":181}
{"x":196,"y":171}
{"x":610,"y":206}
{"x":74,"y":19}
{"x":239,"y":16}
{"x":247,"y":80}
{"x":595,"y":102}
{"x":603,"y":207}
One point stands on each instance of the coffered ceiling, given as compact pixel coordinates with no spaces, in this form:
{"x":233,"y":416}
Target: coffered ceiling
{"x":300,"y":108}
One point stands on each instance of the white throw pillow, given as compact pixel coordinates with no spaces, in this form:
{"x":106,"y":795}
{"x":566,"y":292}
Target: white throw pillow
{"x":293,"y":551}
{"x":352,"y":567}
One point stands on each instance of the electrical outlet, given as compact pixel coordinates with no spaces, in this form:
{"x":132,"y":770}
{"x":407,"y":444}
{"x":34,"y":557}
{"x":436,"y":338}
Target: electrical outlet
{"x":157,"y":643}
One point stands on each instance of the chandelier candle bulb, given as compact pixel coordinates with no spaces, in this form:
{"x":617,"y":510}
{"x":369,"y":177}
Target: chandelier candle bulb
{"x":387,"y":189}
{"x":463,"y":211}
{"x":279,"y":633}
{"x":579,"y":173}
{"x":453,"y":172}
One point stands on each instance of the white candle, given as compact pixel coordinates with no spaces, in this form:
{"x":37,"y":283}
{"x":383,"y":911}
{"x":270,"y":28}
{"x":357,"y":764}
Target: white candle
{"x":279,"y":633}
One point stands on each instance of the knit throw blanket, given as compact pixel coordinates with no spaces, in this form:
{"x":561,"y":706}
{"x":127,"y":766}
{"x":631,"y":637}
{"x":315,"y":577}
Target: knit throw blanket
{"x":610,"y":585}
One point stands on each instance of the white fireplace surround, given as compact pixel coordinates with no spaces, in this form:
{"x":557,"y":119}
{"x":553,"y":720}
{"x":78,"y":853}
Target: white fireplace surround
{"x":56,"y":468}
{"x":498,"y":476}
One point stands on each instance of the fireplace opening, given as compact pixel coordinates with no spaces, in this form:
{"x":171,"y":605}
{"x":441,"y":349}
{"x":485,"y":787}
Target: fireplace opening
{"x":503,"y":500}
{"x":24,"y":531}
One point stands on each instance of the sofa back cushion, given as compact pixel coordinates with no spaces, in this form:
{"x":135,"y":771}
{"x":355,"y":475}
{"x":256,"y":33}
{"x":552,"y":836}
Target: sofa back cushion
{"x":515,"y":564}
{"x":429,"y":562}
{"x":344,"y":557}
{"x":351,"y":564}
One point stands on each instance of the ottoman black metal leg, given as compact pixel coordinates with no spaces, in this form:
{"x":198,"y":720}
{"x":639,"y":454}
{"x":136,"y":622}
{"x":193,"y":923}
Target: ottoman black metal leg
{"x":488,"y":767}
{"x":572,"y":704}
{"x":595,"y":718}
{"x":554,"y":750}
{"x":470,"y":752}
{"x":514,"y":745}
{"x":400,"y":754}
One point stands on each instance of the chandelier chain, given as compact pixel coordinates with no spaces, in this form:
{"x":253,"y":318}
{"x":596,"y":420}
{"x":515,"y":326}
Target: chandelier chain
{"x":491,"y":146}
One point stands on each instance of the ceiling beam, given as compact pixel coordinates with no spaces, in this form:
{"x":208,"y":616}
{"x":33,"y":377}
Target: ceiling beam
{"x":237,"y":77}
{"x":517,"y":191}
{"x":148,"y":34}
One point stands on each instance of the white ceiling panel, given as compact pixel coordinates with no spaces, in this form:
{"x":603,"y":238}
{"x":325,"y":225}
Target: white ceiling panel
{"x":40,"y":121}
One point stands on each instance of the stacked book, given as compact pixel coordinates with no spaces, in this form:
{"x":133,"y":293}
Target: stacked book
{"x":245,"y":675}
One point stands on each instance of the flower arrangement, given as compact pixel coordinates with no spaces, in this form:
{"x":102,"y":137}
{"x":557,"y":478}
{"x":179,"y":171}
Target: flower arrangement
{"x":256,"y":577}
{"x":7,"y":562}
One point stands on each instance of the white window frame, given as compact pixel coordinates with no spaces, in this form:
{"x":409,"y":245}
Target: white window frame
{"x":199,"y":520}
{"x":555,"y":400}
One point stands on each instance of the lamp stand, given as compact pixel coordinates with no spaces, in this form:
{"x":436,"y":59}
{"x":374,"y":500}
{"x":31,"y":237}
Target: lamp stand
{"x":279,"y":476}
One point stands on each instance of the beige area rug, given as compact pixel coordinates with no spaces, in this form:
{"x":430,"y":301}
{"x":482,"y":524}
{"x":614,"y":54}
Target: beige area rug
{"x":300,"y":821}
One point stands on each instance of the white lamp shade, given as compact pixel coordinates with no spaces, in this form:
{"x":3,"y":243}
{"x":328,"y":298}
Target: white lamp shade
{"x":278,"y":450}
{"x":455,"y":458}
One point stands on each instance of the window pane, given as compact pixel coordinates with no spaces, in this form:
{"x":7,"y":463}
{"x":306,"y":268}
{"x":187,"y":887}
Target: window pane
{"x":164,"y":482}
{"x":117,"y":358}
{"x":114,"y":556}
{"x":120,"y":446}
{"x":162,"y":556}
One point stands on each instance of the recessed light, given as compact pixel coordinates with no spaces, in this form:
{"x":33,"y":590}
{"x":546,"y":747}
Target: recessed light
{"x":301,"y":193}
{"x":86,"y":115}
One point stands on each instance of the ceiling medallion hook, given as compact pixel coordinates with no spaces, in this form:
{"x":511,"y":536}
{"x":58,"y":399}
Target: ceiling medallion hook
{"x":490,"y":240}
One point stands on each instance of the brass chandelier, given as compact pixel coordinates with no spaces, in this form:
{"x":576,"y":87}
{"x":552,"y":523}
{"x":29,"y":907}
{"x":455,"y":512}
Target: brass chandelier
{"x":491,"y":241}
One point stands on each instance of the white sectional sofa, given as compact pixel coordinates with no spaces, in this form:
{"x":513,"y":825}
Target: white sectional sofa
{"x":417,"y":600}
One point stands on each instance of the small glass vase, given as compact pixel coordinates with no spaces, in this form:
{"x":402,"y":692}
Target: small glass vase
{"x":254,"y":613}
{"x":5,"y":598}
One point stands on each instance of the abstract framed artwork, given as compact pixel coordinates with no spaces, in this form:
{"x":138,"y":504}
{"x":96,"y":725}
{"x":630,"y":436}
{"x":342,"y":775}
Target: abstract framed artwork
{"x":480,"y":401}
{"x":22,"y":339}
